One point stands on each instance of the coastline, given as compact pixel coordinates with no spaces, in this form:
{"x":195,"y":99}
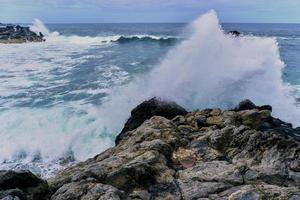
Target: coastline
{"x":204,"y":154}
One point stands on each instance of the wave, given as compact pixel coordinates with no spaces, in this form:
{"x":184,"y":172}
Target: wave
{"x":213,"y":69}
{"x":146,"y":38}
{"x":207,"y":69}
{"x":38,"y":27}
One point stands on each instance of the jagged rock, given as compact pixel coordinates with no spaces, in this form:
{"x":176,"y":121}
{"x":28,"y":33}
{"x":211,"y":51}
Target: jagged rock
{"x":148,"y":109}
{"x":22,"y":185}
{"x":18,"y":34}
{"x":204,"y":154}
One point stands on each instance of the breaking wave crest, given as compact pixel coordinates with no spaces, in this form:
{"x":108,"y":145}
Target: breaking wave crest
{"x":213,"y":69}
{"x":146,"y":38}
{"x":39,"y":27}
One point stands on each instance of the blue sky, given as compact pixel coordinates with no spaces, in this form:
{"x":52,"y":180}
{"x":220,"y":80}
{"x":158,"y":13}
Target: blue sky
{"x":81,"y":11}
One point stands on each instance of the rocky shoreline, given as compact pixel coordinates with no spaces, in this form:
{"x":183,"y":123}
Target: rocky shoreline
{"x":165,"y":152}
{"x":17,"y":34}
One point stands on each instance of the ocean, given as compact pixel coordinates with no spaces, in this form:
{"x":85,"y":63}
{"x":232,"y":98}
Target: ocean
{"x":66,"y":99}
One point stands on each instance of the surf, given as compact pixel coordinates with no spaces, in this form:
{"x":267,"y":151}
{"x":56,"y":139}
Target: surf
{"x":208,"y":68}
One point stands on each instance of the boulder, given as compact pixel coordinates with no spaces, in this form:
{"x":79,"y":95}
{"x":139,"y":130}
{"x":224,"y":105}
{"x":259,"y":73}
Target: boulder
{"x":22,"y":185}
{"x":148,"y":109}
{"x":249,"y":105}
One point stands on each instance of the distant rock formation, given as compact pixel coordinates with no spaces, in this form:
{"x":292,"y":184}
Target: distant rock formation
{"x":238,"y":154}
{"x":17,"y":34}
{"x":234,"y":33}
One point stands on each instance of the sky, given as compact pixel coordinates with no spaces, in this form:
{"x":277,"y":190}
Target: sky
{"x":118,"y":11}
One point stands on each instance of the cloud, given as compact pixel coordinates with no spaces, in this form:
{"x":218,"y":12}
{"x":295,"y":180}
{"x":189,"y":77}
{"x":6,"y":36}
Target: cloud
{"x":147,"y":10}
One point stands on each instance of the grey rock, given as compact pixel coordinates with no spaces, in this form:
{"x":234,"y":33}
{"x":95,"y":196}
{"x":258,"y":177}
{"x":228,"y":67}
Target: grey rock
{"x":85,"y":190}
{"x":238,"y":154}
{"x":22,"y":185}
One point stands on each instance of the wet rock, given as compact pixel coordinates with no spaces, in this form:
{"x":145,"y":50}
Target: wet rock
{"x":18,"y":34}
{"x":22,"y":185}
{"x":148,"y":109}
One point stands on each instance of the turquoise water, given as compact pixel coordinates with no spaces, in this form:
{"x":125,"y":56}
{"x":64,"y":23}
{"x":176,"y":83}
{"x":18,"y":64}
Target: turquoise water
{"x":102,"y":64}
{"x":72,"y":94}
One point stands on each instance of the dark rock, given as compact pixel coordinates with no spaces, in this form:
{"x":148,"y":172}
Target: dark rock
{"x":249,"y":105}
{"x":13,"y":193}
{"x":265,"y":107}
{"x":148,"y":109}
{"x":234,"y":33}
{"x":22,"y":179}
{"x":21,"y":184}
{"x":18,"y":34}
{"x":201,"y":121}
{"x":245,"y":105}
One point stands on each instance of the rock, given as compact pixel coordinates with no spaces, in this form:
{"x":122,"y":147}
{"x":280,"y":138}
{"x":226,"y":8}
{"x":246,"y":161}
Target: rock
{"x":256,"y":119}
{"x":185,"y":157}
{"x":148,"y":109}
{"x":295,"y":165}
{"x":18,"y":34}
{"x":234,"y":33}
{"x":245,"y":105}
{"x":249,"y":105}
{"x":86,"y":190}
{"x":215,"y":120}
{"x":204,"y":154}
{"x":22,"y":185}
{"x":201,"y":121}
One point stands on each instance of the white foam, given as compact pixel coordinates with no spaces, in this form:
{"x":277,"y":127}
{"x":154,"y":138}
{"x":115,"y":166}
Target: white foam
{"x":51,"y":131}
{"x":208,"y":69}
{"x":213,"y":69}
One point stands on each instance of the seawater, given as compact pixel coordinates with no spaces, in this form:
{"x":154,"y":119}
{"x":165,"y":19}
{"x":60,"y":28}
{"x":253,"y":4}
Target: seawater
{"x":69,"y":96}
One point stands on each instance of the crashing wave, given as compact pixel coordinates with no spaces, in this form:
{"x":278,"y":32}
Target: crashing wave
{"x":146,"y":38}
{"x":208,"y":69}
{"x":39,"y":27}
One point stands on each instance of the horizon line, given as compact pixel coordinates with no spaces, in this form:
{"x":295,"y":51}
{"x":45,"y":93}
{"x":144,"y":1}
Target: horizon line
{"x":148,"y":22}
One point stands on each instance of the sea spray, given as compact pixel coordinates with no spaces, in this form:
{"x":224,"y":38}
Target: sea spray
{"x":214,"y":69}
{"x":39,"y":27}
{"x":208,"y":69}
{"x":55,"y":37}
